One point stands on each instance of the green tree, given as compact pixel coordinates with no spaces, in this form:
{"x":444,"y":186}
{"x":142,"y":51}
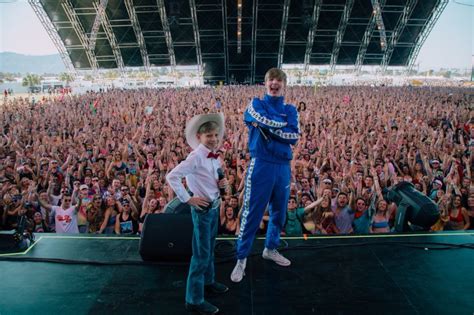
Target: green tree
{"x":66,"y":77}
{"x":447,"y":74}
{"x":6,"y":76}
{"x":111,"y":75}
{"x":31,"y":80}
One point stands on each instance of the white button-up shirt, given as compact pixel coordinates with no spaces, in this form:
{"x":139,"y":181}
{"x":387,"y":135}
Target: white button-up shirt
{"x":201,"y":175}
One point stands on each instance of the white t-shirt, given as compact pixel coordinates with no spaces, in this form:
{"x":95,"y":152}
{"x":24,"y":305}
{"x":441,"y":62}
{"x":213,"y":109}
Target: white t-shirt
{"x":66,"y":220}
{"x":56,"y":199}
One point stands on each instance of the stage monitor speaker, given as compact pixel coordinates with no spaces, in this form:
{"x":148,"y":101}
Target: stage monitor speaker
{"x":12,"y":242}
{"x":415,"y":211}
{"x":167,"y":238}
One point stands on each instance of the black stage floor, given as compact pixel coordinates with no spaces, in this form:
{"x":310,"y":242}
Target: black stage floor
{"x":386,"y":274}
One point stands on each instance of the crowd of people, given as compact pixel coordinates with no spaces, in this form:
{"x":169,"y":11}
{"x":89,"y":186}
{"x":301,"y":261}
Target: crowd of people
{"x":97,"y":162}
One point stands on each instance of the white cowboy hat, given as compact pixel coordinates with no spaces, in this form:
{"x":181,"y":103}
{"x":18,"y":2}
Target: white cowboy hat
{"x":193,"y":125}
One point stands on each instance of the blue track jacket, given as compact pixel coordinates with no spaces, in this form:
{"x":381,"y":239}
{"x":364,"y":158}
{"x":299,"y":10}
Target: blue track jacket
{"x":280,"y":124}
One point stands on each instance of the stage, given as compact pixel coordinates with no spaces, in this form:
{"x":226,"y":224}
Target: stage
{"x":376,"y":274}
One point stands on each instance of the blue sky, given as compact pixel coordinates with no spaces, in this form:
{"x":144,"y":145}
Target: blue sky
{"x":450,"y":44}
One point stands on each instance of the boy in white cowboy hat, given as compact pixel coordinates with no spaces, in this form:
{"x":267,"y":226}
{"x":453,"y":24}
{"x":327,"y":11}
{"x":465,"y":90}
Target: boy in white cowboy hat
{"x":204,"y":133}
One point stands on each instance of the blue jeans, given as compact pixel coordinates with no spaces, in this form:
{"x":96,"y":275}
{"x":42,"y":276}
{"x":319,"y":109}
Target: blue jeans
{"x":201,"y":270}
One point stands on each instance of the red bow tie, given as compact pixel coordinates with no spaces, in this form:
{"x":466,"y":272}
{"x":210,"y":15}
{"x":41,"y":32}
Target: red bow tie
{"x":212,"y":155}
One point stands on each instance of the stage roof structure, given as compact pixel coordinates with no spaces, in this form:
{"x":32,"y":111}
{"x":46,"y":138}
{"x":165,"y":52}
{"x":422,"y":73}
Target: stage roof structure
{"x":237,"y":40}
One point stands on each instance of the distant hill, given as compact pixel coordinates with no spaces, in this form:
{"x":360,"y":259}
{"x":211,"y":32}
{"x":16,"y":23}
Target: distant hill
{"x":13,"y":62}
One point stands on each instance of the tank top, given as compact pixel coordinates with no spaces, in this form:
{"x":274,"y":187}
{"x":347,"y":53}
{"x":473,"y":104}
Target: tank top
{"x":112,"y":219}
{"x":224,"y":230}
{"x":459,"y":218}
{"x":380,"y":225}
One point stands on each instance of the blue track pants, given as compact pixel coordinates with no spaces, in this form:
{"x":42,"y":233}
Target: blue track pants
{"x":266,"y":184}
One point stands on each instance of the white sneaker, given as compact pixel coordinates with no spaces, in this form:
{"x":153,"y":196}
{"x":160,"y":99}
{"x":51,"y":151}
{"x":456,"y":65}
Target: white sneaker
{"x":273,"y":254}
{"x":239,"y":270}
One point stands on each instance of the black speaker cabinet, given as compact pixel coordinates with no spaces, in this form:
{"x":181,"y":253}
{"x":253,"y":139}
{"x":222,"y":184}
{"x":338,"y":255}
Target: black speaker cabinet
{"x":12,"y":242}
{"x":167,"y":238}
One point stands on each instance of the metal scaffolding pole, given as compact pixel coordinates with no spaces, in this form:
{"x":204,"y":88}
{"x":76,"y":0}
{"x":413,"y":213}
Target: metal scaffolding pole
{"x":81,"y":34}
{"x":398,"y":30}
{"x":254,"y":42}
{"x":284,"y":24}
{"x":111,"y":38}
{"x":138,"y":34}
{"x":98,"y":18}
{"x":226,"y":40}
{"x":369,"y":31}
{"x":312,"y":33}
{"x":427,"y":30}
{"x":53,"y":34}
{"x":380,"y":24}
{"x":166,"y":30}
{"x":197,"y":39}
{"x":340,"y":32}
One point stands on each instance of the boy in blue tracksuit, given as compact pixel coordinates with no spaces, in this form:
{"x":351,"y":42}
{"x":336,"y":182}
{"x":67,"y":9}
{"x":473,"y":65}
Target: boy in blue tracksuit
{"x":273,"y":128}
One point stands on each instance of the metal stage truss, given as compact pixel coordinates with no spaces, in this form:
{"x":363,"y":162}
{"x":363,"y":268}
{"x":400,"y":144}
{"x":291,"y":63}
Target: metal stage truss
{"x":237,"y":40}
